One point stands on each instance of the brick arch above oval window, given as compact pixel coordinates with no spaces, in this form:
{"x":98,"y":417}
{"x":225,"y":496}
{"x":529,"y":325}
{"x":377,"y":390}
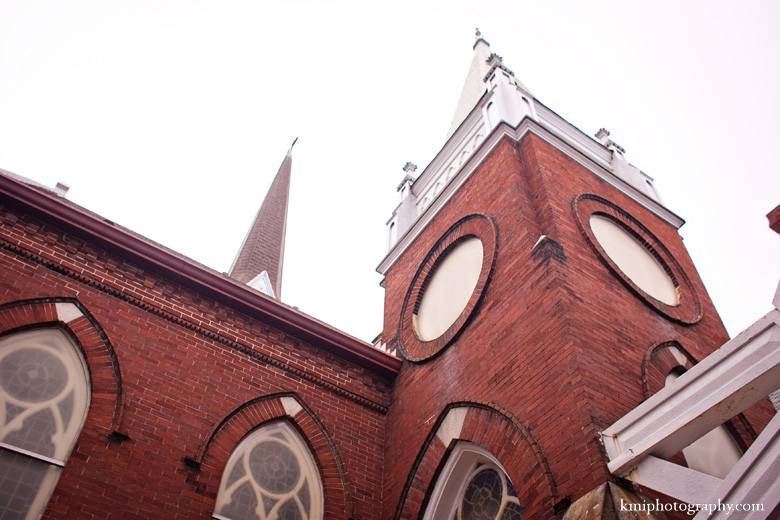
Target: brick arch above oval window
{"x":410,"y":344}
{"x":688,"y":309}
{"x":659,"y":361}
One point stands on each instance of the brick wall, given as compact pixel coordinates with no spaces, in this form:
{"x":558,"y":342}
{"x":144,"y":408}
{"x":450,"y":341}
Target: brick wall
{"x":168,"y":366}
{"x":558,"y":341}
{"x":552,"y":353}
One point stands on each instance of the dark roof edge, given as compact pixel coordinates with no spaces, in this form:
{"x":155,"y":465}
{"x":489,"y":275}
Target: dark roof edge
{"x":70,"y":216}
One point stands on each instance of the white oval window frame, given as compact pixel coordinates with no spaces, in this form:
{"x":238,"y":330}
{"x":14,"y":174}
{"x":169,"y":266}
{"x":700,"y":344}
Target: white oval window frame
{"x":461,"y":264}
{"x":626,"y":251}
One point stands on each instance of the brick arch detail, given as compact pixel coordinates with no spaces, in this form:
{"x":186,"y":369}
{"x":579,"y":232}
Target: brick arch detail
{"x":689,"y":309}
{"x":503,"y":435}
{"x":106,"y":405}
{"x":658,"y":361}
{"x":408,"y":342}
{"x":213,"y":455}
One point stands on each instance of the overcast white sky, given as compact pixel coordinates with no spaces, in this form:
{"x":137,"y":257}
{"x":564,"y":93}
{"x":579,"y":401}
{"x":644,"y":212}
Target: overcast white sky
{"x":171,"y":118}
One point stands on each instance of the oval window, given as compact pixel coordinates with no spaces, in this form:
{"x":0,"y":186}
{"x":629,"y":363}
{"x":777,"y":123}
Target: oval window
{"x":449,"y":289}
{"x":634,"y":259}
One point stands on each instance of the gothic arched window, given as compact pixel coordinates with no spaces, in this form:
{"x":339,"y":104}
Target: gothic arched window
{"x":473,"y":486}
{"x":44,"y":397}
{"x":271,"y":475}
{"x":488,"y":495}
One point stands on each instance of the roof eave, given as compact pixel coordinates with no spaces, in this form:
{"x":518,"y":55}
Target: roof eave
{"x":199,"y":277}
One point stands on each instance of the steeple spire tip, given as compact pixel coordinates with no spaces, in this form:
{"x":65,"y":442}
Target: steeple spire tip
{"x":260,"y":260}
{"x":289,"y":151}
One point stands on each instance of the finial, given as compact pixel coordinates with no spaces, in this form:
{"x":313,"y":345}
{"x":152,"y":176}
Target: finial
{"x":291,"y":146}
{"x":477,"y":33}
{"x":604,"y":138}
{"x":409,"y":169}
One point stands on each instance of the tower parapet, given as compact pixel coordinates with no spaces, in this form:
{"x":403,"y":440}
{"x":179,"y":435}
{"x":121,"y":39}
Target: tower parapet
{"x":494,"y":104}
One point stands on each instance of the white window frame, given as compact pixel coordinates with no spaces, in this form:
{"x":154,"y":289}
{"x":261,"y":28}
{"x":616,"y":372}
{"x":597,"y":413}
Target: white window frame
{"x":466,"y":460}
{"x":306,"y":463}
{"x":62,"y":346}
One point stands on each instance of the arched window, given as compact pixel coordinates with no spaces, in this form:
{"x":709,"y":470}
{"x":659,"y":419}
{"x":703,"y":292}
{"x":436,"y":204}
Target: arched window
{"x":271,"y":475}
{"x":44,"y":397}
{"x":716,"y":452}
{"x":473,"y":486}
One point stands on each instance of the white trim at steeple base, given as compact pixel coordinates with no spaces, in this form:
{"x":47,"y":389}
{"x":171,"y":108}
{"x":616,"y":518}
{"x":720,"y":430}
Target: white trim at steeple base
{"x":593,"y":162}
{"x":262,"y":282}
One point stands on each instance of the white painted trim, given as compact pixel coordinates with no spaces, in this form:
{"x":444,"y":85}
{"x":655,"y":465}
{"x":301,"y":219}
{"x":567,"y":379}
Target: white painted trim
{"x":678,"y":482}
{"x":459,"y":466}
{"x":262,"y":283}
{"x":291,"y":406}
{"x":755,"y":479}
{"x":542,"y":238}
{"x":725,"y":383}
{"x":591,"y":161}
{"x":452,"y":425}
{"x":67,"y":312}
{"x":32,"y":454}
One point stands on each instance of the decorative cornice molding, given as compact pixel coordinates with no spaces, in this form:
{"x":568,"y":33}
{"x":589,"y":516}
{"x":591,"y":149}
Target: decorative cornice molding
{"x":73,"y":218}
{"x":187,"y":324}
{"x":549,"y":126}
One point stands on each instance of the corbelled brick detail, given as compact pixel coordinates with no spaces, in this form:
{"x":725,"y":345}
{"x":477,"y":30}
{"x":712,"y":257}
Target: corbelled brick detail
{"x":187,"y":361}
{"x":263,"y":247}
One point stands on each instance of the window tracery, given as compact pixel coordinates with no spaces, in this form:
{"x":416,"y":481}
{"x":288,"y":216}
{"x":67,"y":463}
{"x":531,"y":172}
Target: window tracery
{"x":488,"y":495}
{"x":44,"y":397}
{"x":271,"y":475}
{"x":473,"y":486}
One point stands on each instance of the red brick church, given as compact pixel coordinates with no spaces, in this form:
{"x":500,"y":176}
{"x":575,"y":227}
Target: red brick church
{"x":536,"y":291}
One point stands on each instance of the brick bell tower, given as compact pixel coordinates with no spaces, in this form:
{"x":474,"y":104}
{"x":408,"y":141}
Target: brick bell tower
{"x":537,"y":289}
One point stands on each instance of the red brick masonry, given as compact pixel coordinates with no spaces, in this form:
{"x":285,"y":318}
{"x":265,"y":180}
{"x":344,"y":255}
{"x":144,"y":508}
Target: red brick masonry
{"x":184,"y":362}
{"x":558,"y":344}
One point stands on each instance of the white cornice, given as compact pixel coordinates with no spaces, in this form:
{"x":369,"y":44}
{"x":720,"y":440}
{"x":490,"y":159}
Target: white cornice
{"x":554,"y":130}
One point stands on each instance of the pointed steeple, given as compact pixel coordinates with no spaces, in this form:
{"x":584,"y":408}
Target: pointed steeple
{"x":474,"y":86}
{"x":483,"y":64}
{"x":260,"y":260}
